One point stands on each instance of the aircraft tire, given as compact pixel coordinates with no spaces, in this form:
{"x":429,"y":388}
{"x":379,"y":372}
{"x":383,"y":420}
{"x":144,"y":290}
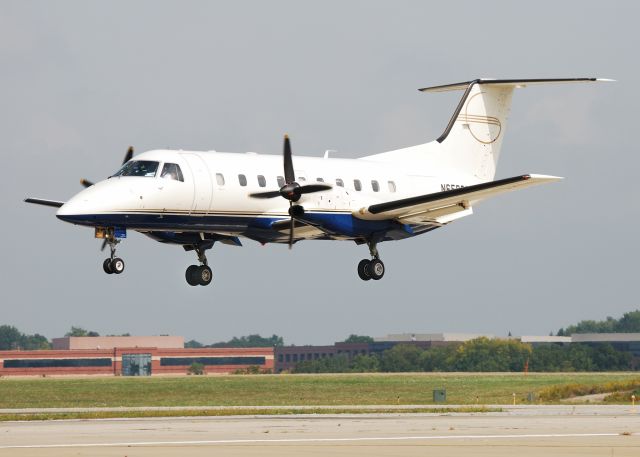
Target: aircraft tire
{"x":363,"y":269}
{"x":205,"y":275}
{"x":375,"y":269}
{"x":106,"y":266}
{"x":117,"y":265}
{"x":191,"y":275}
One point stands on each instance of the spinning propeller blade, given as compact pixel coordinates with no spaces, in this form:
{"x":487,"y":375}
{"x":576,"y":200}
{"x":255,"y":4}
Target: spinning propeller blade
{"x":291,"y":190}
{"x":127,"y":157}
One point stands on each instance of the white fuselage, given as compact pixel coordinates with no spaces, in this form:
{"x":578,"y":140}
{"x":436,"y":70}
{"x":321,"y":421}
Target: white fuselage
{"x":212,"y":191}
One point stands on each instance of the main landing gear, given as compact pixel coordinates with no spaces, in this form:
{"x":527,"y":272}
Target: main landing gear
{"x":113,"y":264}
{"x":199,"y":275}
{"x":371,"y":269}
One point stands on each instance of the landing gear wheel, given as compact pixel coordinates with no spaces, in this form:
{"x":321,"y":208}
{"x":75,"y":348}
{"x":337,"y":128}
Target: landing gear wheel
{"x":117,"y":265}
{"x":205,"y":275}
{"x":375,"y":269}
{"x":106,"y":266}
{"x":363,"y":269}
{"x":191,"y":275}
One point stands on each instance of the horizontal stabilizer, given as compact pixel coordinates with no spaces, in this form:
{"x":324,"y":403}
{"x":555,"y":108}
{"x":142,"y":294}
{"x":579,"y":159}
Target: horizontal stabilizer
{"x":41,"y":201}
{"x":508,"y":82}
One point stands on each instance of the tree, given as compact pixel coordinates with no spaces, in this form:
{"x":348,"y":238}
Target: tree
{"x":12,"y":338}
{"x":364,"y":364}
{"x":9,"y":337}
{"x":484,"y":354}
{"x":628,"y":323}
{"x":438,"y":358}
{"x":401,"y":358}
{"x":79,"y":331}
{"x":196,"y":368}
{"x":34,"y":342}
{"x":251,"y":341}
{"x":358,"y":339}
{"x":193,"y":344}
{"x":337,"y":364}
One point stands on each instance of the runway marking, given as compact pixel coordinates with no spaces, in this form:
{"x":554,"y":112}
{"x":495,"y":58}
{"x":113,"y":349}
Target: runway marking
{"x":314,"y":440}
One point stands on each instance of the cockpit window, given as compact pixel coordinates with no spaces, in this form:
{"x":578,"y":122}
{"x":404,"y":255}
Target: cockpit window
{"x":146,"y":168}
{"x":172,"y":171}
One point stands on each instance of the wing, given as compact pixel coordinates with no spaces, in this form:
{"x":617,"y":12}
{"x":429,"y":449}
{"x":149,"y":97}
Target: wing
{"x":442,"y":207}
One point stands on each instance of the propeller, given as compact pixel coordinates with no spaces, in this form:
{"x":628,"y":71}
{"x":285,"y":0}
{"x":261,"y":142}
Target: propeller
{"x":291,"y":190}
{"x":127,"y":157}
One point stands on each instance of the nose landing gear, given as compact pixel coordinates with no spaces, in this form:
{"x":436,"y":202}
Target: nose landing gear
{"x":199,"y":275}
{"x":371,"y":269}
{"x":113,"y":264}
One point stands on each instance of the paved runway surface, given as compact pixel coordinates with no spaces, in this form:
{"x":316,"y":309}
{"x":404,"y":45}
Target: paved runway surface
{"x":521,"y":431}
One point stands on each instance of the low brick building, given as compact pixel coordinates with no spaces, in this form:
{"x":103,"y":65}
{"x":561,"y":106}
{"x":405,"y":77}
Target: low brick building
{"x":132,"y":361}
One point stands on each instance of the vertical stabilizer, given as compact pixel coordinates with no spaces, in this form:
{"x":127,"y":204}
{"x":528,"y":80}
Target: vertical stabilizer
{"x":473,"y":137}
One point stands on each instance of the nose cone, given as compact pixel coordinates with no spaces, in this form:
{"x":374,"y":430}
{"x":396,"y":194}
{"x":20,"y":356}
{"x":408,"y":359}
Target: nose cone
{"x":78,"y":210}
{"x":90,"y":206}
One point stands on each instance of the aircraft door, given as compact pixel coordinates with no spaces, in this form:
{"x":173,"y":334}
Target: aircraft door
{"x":202,"y":183}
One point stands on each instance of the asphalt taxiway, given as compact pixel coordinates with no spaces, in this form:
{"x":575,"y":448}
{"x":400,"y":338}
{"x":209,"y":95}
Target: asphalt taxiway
{"x":523,"y":431}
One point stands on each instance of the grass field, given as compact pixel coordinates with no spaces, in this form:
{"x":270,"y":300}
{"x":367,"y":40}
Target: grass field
{"x":287,"y":390}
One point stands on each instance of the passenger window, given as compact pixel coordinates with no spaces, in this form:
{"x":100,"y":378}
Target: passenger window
{"x":339,"y":182}
{"x":281,"y":182}
{"x":261,"y":181}
{"x":172,"y":171}
{"x":220,"y":179}
{"x":375,"y":186}
{"x":319,"y":179}
{"x":301,"y":178}
{"x":242,"y":179}
{"x":392,"y":186}
{"x":357,"y":185}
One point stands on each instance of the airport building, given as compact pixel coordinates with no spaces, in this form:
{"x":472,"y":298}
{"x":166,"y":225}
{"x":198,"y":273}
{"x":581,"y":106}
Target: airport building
{"x":130,"y":356}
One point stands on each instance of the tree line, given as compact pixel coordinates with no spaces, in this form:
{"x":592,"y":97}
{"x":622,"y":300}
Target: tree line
{"x":628,"y":323}
{"x":250,"y":341}
{"x":480,"y":354}
{"x":11,"y":338}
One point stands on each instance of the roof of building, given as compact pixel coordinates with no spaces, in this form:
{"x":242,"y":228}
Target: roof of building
{"x":452,"y":337}
{"x":112,"y":342}
{"x":604,"y":337}
{"x":545,"y":339}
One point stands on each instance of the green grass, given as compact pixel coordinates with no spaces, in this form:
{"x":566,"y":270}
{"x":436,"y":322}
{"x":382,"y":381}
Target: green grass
{"x":286,"y":390}
{"x":232,"y":412}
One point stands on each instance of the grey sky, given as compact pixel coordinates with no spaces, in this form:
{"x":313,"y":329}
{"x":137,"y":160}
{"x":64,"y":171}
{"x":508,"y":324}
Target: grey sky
{"x":80,"y":81}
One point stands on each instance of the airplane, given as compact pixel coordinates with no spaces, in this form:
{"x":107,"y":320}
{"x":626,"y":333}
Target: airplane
{"x":195,"y":199}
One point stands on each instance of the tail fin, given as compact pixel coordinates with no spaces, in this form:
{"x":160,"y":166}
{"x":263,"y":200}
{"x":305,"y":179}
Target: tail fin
{"x":473,"y":137}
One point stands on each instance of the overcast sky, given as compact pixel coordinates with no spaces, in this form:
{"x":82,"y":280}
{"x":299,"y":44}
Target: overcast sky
{"x":80,"y":81}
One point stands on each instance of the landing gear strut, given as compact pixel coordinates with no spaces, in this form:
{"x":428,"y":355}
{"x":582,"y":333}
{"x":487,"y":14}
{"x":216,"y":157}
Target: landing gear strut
{"x":371,"y":269}
{"x":199,"y":274}
{"x":113,"y":264}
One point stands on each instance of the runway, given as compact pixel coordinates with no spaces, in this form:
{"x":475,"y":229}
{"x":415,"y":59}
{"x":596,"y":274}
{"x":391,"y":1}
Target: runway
{"x":522,"y":431}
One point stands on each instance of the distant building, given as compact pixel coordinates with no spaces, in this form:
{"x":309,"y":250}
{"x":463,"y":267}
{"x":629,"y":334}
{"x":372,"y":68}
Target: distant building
{"x":442,"y":337}
{"x":129,"y":356}
{"x":627,"y":342}
{"x":111,"y":342}
{"x":545,"y":339}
